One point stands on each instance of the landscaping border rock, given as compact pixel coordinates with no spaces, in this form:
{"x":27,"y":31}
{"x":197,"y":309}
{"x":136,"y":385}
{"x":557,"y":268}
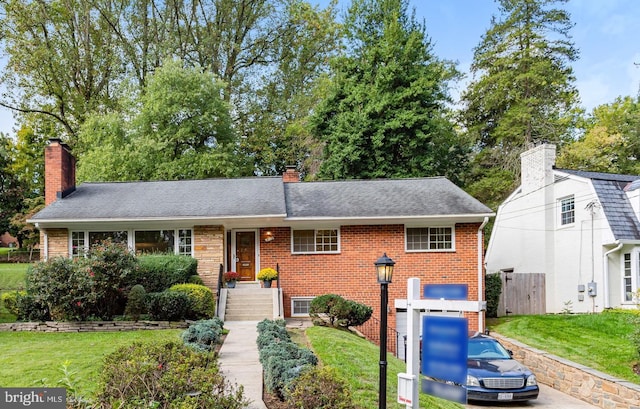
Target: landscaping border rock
{"x":579,"y":381}
{"x":92,"y":326}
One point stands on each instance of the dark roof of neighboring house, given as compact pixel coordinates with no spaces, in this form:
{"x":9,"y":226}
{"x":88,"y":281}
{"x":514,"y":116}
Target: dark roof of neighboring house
{"x":163,"y":199}
{"x":379,"y":198}
{"x":264,"y":197}
{"x":610,"y":189}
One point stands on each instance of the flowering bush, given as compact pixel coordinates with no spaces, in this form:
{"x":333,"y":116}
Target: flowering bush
{"x":231,"y":276}
{"x":267,"y":274}
{"x":83,"y":288}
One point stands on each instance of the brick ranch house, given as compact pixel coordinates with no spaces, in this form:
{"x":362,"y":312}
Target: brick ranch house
{"x":324,"y":236}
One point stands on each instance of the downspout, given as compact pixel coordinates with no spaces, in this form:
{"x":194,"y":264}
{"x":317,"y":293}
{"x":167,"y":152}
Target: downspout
{"x":480,"y":274}
{"x":605,"y":284}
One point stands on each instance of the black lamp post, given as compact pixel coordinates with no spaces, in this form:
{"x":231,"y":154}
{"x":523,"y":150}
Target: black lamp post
{"x":384,"y":270}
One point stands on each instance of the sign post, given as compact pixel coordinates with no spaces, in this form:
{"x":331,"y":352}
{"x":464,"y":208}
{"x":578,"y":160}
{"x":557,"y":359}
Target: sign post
{"x":444,"y":341}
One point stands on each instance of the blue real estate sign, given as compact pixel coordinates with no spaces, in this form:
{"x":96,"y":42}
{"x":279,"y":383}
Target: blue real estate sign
{"x":444,"y":357}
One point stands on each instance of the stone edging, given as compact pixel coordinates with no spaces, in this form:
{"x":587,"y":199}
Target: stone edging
{"x":579,"y":381}
{"x":92,"y":326}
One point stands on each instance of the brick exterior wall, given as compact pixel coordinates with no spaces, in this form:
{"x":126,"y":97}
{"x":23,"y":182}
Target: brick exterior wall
{"x":209,"y":251}
{"x":351,"y":273}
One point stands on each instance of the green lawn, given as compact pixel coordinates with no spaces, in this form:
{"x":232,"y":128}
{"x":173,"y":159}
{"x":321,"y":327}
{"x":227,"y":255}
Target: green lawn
{"x":600,"y":341}
{"x":357,"y":361}
{"x":11,"y":279}
{"x":29,"y":357}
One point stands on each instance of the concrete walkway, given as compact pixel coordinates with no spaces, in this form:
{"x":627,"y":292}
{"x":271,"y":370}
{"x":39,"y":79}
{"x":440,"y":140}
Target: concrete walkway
{"x":239,"y":360}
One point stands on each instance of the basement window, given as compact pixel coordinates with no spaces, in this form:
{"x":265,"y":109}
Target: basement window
{"x":300,"y":306}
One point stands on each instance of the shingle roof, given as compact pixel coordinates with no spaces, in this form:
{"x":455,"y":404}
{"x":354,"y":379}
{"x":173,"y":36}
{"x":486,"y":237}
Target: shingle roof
{"x":162,"y":199}
{"x":616,"y":206}
{"x":263,"y":197}
{"x":379,"y":198}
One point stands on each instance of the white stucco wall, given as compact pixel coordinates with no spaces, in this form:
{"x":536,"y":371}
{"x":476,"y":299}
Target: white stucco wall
{"x":527,"y":237}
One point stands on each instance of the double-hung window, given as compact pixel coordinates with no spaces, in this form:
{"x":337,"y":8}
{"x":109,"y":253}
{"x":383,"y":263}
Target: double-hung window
{"x":429,"y":239}
{"x":315,"y":241}
{"x":567,"y":211}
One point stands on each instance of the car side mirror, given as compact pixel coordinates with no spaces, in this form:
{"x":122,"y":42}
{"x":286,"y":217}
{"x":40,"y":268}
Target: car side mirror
{"x":510,"y":352}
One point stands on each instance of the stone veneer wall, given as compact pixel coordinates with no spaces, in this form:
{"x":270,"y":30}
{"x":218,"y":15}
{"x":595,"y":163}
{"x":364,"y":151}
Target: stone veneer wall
{"x":57,"y":241}
{"x":209,"y":251}
{"x":576,"y":380}
{"x":91,"y":326}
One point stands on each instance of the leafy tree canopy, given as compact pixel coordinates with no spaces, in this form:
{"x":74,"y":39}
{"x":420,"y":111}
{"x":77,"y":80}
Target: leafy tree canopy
{"x":180,"y":128}
{"x":611,"y":142}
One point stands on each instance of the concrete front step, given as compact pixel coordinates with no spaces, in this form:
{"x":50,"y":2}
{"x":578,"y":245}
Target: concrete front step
{"x":249,"y":302}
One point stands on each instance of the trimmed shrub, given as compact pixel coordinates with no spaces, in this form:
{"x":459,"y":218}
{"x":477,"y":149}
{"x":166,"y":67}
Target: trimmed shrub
{"x":338,"y":312}
{"x":195,"y":279}
{"x":136,"y":302}
{"x":203,"y":335}
{"x":201,"y":300}
{"x":31,"y":308}
{"x":319,"y":388}
{"x":493,"y":289}
{"x":168,"y":305}
{"x":158,"y":272}
{"x":165,"y":375}
{"x":10,"y":301}
{"x":281,"y":359}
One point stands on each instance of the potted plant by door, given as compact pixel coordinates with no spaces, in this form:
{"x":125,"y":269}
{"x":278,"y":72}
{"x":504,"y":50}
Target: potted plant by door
{"x":266,"y":275}
{"x":230,"y":278}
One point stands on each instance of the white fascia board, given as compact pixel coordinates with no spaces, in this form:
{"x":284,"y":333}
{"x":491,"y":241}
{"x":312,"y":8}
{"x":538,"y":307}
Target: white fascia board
{"x":460,"y":218}
{"x":53,"y":223}
{"x":443,"y":305}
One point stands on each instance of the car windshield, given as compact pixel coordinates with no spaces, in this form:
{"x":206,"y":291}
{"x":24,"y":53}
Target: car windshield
{"x":487,"y":349}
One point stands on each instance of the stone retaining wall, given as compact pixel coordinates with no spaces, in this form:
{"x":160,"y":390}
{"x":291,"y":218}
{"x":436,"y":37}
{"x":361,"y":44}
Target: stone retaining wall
{"x":577,"y":380}
{"x":91,"y":326}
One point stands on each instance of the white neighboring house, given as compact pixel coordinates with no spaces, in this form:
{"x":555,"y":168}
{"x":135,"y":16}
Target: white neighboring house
{"x":581,"y":229}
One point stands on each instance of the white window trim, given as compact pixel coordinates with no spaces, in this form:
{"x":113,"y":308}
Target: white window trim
{"x":559,"y":218}
{"x":293,"y":299}
{"x":131,"y":244}
{"x":315,"y":231}
{"x":453,"y":239}
{"x":635,"y":276}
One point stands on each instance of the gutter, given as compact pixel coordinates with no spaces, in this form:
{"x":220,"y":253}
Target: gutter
{"x":605,"y":284}
{"x":481,"y":274}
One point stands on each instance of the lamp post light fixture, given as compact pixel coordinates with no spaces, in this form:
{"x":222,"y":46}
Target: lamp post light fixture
{"x":384,"y":270}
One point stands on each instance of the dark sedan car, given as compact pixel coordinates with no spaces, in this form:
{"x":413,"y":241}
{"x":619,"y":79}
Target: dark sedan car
{"x":493,"y":374}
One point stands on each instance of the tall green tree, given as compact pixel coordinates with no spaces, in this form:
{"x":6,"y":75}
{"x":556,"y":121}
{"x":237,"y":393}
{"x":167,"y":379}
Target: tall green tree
{"x":385,"y":114}
{"x":275,"y":126}
{"x":181,"y":130}
{"x":522,"y":91}
{"x":611,"y":141}
{"x":10,"y":189}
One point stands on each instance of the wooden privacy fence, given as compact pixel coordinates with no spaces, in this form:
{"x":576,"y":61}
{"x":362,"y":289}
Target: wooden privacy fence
{"x":522,"y":294}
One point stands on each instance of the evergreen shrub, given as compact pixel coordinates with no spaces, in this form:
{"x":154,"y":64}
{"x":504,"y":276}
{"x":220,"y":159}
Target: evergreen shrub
{"x":493,"y":289}
{"x":158,"y":272}
{"x":136,"y":302}
{"x":10,"y":301}
{"x":168,"y":305}
{"x":201,"y":300}
{"x":282,"y":360}
{"x":204,"y":335}
{"x":336,"y":311}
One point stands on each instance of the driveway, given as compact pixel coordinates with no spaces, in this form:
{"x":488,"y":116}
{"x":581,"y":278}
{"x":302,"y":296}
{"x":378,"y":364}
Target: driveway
{"x":548,"y":398}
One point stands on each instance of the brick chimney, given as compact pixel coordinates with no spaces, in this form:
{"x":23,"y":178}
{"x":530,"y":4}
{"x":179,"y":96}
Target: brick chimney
{"x":291,"y":174}
{"x":59,"y":171}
